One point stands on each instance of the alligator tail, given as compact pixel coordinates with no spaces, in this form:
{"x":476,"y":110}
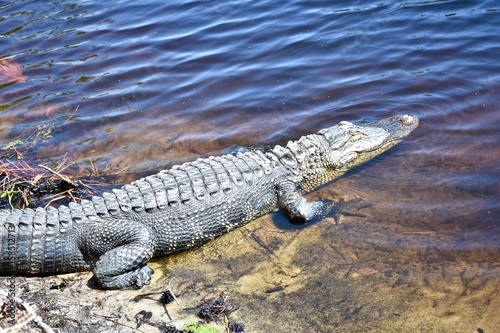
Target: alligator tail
{"x":38,"y":241}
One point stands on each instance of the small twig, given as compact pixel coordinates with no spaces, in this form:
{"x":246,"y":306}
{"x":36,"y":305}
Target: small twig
{"x":63,"y":177}
{"x":54,"y":199}
{"x":172,"y":292}
{"x":71,"y":195}
{"x":33,"y":316}
{"x":114,"y":321}
{"x":261,"y":243}
{"x":166,"y":312}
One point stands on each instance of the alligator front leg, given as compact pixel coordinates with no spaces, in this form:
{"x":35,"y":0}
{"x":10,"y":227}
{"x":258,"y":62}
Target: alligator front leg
{"x":299,"y":211}
{"x":120,"y":250}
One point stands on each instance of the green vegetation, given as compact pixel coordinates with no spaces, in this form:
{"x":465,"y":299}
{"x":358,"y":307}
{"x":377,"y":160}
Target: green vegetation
{"x":12,"y":144}
{"x":200,"y":328}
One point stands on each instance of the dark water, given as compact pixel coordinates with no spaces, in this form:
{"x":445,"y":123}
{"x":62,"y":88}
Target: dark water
{"x":147,"y":85}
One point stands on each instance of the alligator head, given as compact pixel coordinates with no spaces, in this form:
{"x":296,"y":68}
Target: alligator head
{"x":319,"y":158}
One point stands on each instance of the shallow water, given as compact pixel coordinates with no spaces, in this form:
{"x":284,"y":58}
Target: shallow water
{"x":146,"y":86}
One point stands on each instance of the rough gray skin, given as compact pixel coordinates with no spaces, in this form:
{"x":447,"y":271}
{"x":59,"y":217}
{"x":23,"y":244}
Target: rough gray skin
{"x":116,"y":234}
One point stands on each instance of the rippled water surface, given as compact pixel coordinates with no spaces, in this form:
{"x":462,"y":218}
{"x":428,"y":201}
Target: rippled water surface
{"x":141,"y":86}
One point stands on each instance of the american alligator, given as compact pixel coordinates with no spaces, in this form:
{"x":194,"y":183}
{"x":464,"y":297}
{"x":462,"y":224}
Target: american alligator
{"x":116,"y":234}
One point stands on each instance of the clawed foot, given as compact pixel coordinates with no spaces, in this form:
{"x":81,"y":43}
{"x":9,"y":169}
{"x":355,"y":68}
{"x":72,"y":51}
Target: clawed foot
{"x":136,"y":278}
{"x":349,"y":208}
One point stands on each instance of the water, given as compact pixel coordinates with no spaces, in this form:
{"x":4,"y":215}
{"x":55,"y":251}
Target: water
{"x":143,"y":86}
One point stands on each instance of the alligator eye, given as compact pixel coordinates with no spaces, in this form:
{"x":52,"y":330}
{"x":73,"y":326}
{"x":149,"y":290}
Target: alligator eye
{"x":357,"y":135}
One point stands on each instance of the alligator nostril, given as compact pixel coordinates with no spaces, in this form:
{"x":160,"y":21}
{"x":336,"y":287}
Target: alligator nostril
{"x":406,"y":119}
